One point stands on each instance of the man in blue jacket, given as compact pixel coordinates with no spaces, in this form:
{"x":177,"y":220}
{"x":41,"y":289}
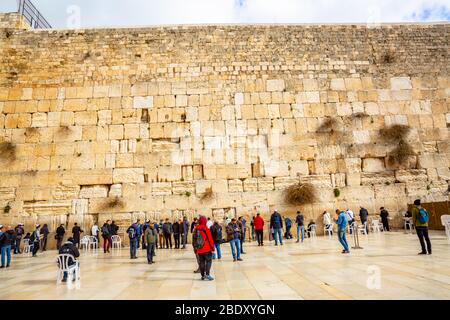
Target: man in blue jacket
{"x":276,"y":223}
{"x":134,"y":238}
{"x":342,"y":226}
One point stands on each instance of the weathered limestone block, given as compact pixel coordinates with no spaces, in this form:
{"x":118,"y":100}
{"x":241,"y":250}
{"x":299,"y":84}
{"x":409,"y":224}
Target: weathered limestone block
{"x":250,"y":185}
{"x":371,"y":178}
{"x":317,"y":180}
{"x":433,"y":161}
{"x":298,"y":168}
{"x":443,"y":173}
{"x":357,"y":193}
{"x":141,"y":102}
{"x":408,"y":176}
{"x":265,"y":183}
{"x":353,"y":179}
{"x":100,"y":191}
{"x":275,"y":85}
{"x":128,"y":175}
{"x":115,"y":190}
{"x":349,"y":165}
{"x":80,"y":206}
{"x":325,"y":166}
{"x":397,"y":190}
{"x":65,"y":192}
{"x":274,"y":168}
{"x":183,"y":187}
{"x":338,"y":179}
{"x":235,"y":185}
{"x":169,"y":173}
{"x":280,"y":183}
{"x":251,"y":199}
{"x":7,"y":193}
{"x":373,"y":165}
{"x":401,"y":83}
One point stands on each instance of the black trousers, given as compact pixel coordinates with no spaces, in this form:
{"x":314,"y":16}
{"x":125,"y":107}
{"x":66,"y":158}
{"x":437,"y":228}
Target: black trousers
{"x":259,"y":236}
{"x":205,"y":261}
{"x":168,"y":240}
{"x":385,"y":222}
{"x":150,"y":251}
{"x":176,"y":237}
{"x":422,"y":233}
{"x":59,"y":242}
{"x":17,"y":246}
{"x":35,"y":247}
{"x":44,"y":243}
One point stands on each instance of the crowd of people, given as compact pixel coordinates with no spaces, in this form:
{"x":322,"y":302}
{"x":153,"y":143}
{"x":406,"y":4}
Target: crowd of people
{"x":207,"y":235}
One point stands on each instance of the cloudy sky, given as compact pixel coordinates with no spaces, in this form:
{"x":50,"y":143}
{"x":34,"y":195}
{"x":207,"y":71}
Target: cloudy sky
{"x":94,"y":13}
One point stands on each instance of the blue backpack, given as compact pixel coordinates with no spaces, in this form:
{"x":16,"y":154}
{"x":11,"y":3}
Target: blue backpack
{"x":423,"y":215}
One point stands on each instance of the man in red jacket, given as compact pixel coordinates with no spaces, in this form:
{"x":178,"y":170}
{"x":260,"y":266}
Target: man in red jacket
{"x":259,"y":229}
{"x":205,"y":252}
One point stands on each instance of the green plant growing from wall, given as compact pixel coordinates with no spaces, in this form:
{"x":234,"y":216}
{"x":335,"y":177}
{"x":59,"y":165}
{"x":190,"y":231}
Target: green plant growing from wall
{"x":187,"y":193}
{"x":336,"y":192}
{"x":7,"y":208}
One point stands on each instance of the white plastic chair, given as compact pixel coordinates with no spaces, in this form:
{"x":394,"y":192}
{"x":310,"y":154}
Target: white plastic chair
{"x":27,"y":247}
{"x":363,"y":228}
{"x":351,"y":227}
{"x":445,"y":220}
{"x":408,"y":224}
{"x":63,"y":266}
{"x":93,"y":243}
{"x":84,"y":243}
{"x":328,"y":230}
{"x":376,"y":226}
{"x":116,"y":242}
{"x":312,"y":233}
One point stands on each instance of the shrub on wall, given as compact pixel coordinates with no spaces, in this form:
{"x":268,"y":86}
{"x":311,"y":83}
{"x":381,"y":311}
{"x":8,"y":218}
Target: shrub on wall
{"x":299,"y":194}
{"x":8,"y":151}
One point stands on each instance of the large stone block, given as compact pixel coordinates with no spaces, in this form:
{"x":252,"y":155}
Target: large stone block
{"x":373,"y":165}
{"x":275,"y":85}
{"x":127,"y":175}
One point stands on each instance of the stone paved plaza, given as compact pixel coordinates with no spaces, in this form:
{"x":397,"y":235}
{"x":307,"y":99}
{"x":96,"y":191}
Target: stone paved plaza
{"x":312,"y":270}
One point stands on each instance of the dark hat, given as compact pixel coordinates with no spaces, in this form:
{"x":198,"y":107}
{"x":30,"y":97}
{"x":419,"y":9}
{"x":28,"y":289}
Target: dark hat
{"x":70,"y":239}
{"x":417,"y":202}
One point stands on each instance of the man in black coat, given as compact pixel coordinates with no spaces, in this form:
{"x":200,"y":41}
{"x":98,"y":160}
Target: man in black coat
{"x":384,"y":214}
{"x":363,"y":215}
{"x":69,"y":248}
{"x":176,"y":227}
{"x":76,"y":231}
{"x":60,"y":231}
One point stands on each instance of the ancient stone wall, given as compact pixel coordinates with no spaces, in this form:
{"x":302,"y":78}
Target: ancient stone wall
{"x":161,"y":122}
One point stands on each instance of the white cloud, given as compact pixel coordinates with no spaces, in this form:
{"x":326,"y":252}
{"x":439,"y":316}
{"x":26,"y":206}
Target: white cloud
{"x":156,"y":12}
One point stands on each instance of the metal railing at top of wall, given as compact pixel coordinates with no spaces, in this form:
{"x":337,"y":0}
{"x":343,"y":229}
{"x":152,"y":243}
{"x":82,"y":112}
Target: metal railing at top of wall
{"x":32,"y":15}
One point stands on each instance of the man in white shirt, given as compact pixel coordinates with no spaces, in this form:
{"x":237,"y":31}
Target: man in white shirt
{"x":350,"y":218}
{"x":209,"y":224}
{"x":95,"y":232}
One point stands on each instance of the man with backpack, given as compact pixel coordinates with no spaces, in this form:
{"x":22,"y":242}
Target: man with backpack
{"x":106,"y":235}
{"x":420,"y":219}
{"x":69,"y":248}
{"x":139,"y":232}
{"x":233,"y":235}
{"x":300,"y":220}
{"x":276,"y":223}
{"x":7,"y":240}
{"x":133,"y":235}
{"x":342,"y":226}
{"x":216,"y":232}
{"x":203,"y":244}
